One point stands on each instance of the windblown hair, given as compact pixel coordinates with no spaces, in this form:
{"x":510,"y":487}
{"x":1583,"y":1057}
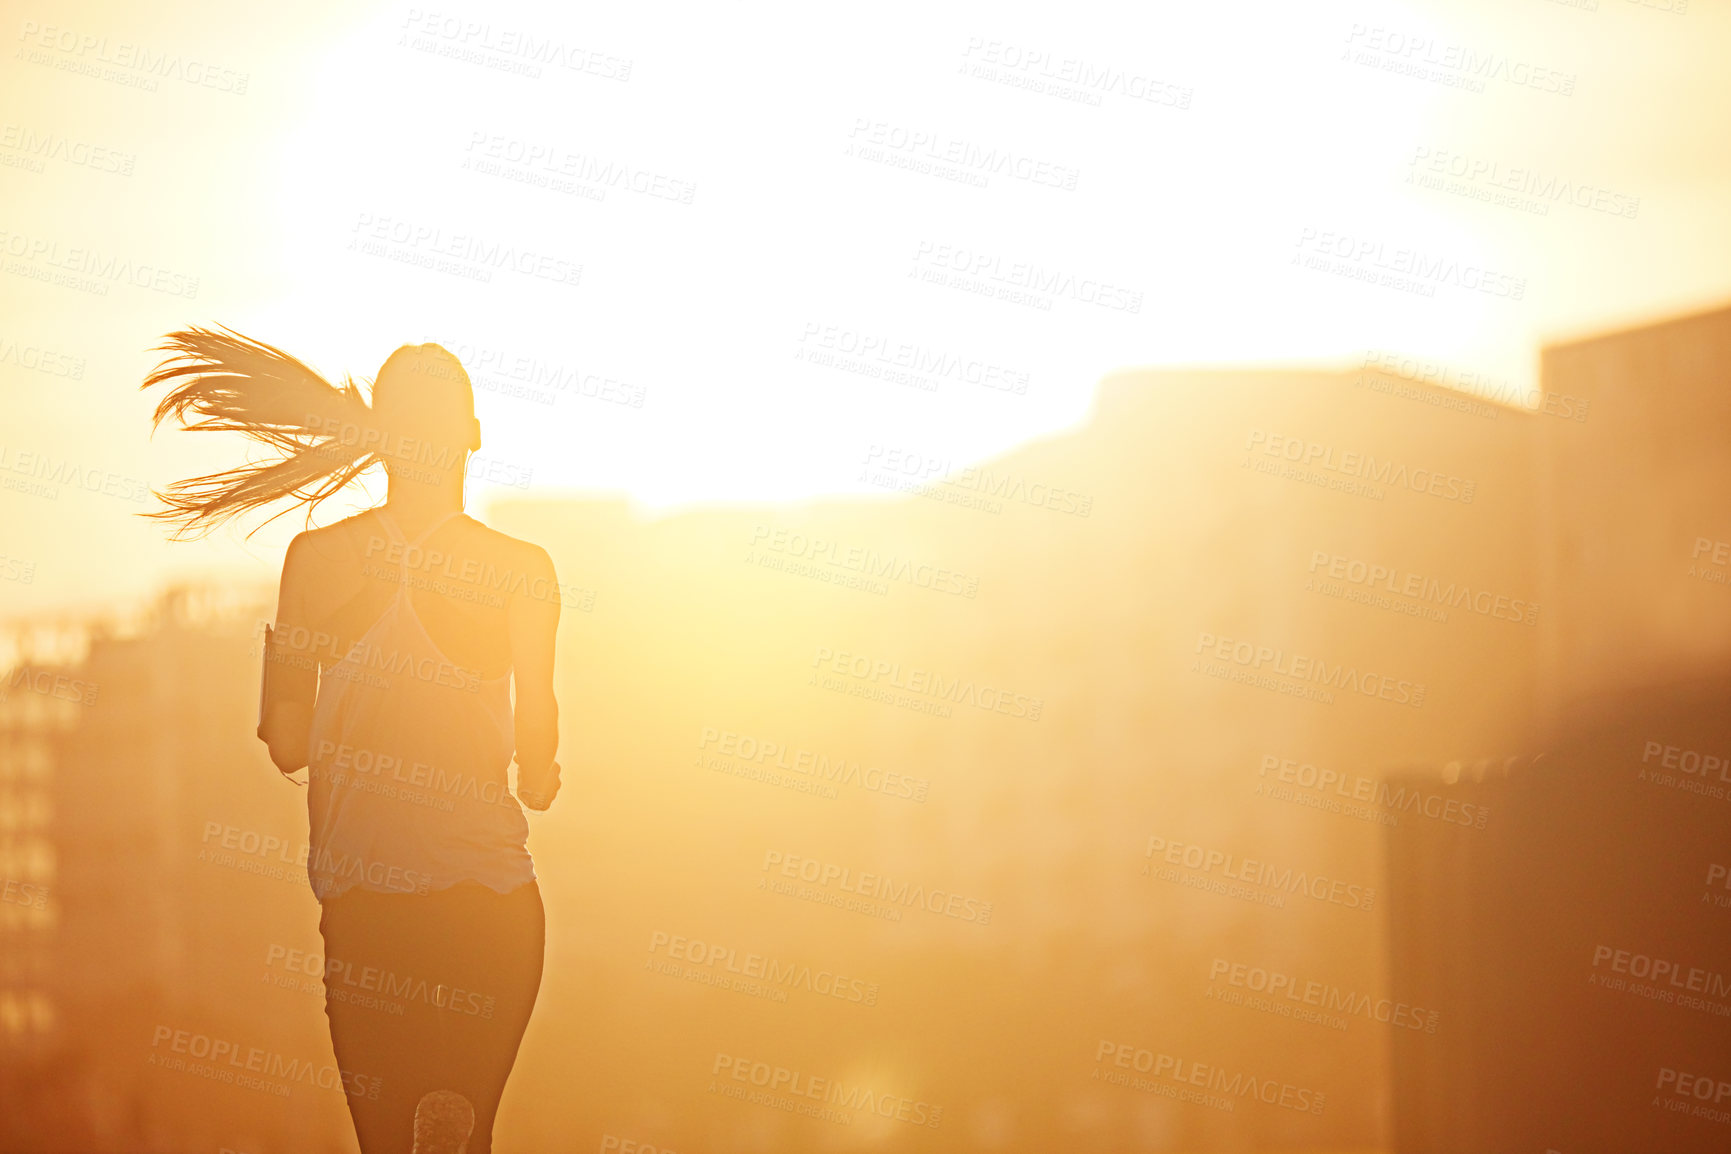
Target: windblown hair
{"x":322,"y":435}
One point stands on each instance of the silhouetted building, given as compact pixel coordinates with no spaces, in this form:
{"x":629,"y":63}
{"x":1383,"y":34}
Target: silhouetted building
{"x":136,"y":752}
{"x":1583,"y":940}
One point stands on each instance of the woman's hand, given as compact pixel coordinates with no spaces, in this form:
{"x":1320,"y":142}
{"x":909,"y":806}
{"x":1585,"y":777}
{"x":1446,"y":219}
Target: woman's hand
{"x":538,"y":789}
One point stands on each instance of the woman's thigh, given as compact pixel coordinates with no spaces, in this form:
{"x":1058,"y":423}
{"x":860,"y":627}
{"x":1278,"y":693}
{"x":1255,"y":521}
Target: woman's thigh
{"x":429,"y":992}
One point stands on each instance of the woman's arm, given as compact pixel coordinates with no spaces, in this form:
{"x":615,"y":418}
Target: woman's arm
{"x":291,"y":666}
{"x":533,"y":618}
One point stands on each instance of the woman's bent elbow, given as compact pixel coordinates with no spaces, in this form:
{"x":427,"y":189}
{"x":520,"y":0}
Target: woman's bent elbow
{"x":286,"y":755}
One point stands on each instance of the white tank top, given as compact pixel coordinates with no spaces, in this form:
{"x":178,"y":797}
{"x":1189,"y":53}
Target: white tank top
{"x":408,"y":754}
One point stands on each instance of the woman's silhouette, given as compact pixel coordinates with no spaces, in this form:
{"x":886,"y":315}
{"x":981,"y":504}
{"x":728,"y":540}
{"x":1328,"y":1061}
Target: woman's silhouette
{"x":399,"y":635}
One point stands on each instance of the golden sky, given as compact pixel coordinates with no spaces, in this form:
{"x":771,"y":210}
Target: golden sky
{"x":736,"y":246}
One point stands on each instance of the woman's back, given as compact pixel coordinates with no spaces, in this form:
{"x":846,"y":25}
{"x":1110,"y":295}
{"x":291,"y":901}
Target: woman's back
{"x":412,"y":731}
{"x":459,"y":579}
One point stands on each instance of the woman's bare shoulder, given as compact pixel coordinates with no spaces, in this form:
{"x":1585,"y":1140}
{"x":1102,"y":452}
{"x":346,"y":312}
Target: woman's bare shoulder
{"x":341,"y":541}
{"x":502,"y":548}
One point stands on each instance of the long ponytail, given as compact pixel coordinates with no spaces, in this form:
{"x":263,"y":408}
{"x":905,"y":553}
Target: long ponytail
{"x":323,"y":435}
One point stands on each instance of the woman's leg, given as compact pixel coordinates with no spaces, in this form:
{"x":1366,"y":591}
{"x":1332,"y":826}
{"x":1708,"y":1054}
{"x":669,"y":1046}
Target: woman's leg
{"x":383,"y":1037}
{"x":491,"y":975}
{"x":429,"y":992}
